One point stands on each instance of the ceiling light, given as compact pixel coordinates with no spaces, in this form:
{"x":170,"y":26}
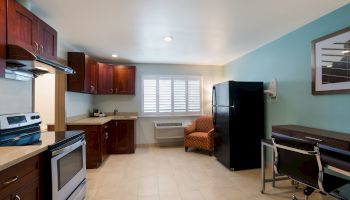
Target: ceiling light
{"x":346,"y":51}
{"x":168,"y":38}
{"x":114,"y":55}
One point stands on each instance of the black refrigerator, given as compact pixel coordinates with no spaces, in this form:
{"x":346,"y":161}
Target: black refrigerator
{"x":238,"y":117}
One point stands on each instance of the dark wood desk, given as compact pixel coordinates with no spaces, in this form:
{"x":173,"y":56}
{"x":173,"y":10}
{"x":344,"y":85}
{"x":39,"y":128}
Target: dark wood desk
{"x":313,"y":135}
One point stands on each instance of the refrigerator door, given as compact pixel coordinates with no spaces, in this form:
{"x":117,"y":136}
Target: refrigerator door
{"x":222,"y":137}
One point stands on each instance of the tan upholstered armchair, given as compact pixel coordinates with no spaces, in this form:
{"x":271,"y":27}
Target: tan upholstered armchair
{"x":200,"y":134}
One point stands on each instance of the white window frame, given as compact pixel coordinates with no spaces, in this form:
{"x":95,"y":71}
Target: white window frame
{"x":172,"y":113}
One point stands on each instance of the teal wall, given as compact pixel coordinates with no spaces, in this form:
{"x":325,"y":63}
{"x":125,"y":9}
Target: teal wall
{"x":289,"y":60}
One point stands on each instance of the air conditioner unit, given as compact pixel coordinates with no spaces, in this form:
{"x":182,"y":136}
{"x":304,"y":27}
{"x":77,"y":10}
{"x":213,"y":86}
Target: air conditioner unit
{"x":170,"y":133}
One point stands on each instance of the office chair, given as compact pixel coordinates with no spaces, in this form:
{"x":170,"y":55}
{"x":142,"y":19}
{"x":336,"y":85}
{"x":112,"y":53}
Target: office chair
{"x":334,"y":161}
{"x":302,"y":162}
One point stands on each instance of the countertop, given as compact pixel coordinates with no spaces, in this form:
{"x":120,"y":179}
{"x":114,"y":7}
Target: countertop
{"x":12,"y":155}
{"x":102,"y":120}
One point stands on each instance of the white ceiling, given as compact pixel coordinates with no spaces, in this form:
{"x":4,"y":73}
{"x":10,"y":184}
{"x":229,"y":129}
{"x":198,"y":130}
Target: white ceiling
{"x":210,"y":32}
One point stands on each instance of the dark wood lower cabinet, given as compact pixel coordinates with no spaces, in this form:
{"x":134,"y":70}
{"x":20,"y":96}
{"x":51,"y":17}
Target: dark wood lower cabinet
{"x":122,"y":137}
{"x":96,"y":137}
{"x":24,"y":180}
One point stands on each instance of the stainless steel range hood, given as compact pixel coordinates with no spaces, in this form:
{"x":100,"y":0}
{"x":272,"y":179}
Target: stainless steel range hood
{"x":23,"y":65}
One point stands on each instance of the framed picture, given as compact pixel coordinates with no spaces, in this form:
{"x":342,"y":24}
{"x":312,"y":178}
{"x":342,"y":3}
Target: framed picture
{"x":331,"y":63}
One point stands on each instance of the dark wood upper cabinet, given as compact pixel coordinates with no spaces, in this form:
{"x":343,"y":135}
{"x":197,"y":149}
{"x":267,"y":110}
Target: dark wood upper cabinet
{"x":122,"y":137}
{"x":105,"y":78}
{"x":99,"y":78}
{"x":48,"y":40}
{"x":86,"y":77}
{"x":22,"y":27}
{"x":28,"y":31}
{"x":124,"y":79}
{"x":2,"y":38}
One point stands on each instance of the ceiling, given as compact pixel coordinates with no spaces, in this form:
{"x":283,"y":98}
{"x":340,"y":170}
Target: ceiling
{"x":206,"y":32}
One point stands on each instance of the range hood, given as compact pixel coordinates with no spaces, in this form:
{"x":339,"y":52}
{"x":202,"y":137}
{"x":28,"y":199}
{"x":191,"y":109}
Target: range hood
{"x":23,"y":65}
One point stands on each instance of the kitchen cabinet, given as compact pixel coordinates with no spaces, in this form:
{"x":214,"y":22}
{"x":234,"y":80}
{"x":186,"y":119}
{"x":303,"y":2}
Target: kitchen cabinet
{"x":122,"y":137}
{"x":97,"y":139}
{"x":23,"y":180}
{"x":28,"y":31}
{"x":48,"y":40}
{"x":105,"y":78}
{"x":99,"y":78}
{"x":2,"y":38}
{"x":86,"y":76}
{"x":124,"y":79}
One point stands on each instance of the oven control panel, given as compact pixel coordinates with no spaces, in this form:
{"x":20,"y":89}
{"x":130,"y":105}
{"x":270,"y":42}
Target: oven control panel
{"x":19,"y":120}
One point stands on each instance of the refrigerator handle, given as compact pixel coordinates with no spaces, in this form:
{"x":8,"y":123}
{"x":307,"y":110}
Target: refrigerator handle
{"x":213,"y":108}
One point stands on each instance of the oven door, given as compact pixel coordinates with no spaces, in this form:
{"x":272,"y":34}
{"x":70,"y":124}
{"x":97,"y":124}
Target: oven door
{"x":68,"y":170}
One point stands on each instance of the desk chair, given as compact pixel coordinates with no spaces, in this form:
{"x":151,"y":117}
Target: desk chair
{"x":335,"y":161}
{"x":301,"y":161}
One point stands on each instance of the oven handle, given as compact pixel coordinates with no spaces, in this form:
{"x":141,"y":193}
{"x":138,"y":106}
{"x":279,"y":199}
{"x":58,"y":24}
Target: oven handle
{"x":69,"y":148}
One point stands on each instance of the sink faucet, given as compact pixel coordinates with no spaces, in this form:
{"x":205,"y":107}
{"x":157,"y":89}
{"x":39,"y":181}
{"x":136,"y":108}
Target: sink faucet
{"x":115,"y":111}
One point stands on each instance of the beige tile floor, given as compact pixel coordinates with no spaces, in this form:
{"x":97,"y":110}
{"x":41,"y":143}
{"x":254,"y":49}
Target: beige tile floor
{"x":154,"y":173}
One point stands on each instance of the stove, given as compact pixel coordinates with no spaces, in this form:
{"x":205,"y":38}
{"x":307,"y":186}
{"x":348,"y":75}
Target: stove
{"x":19,"y":129}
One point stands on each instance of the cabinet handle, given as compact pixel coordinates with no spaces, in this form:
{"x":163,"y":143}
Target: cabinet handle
{"x":92,"y":88}
{"x":17,"y":197}
{"x":106,"y":127}
{"x":111,"y":90}
{"x":106,"y":135}
{"x":36,"y":48}
{"x":14,"y":179}
{"x":116,"y":90}
{"x":42,"y":49}
{"x":116,"y":123}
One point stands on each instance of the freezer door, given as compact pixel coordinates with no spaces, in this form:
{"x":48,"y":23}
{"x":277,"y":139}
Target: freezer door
{"x":222,"y":94}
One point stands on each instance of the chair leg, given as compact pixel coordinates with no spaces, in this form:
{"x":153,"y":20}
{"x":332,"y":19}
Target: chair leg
{"x":186,"y":149}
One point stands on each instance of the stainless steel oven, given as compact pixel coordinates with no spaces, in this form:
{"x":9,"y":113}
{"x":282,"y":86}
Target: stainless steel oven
{"x":68,"y":169}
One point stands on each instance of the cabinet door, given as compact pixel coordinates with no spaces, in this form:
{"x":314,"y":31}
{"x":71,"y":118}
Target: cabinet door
{"x":48,"y":40}
{"x":123,"y":137}
{"x":105,"y":78}
{"x":28,"y":192}
{"x":2,"y":38}
{"x":109,"y":79}
{"x":101,"y":78}
{"x":91,"y":73}
{"x":22,"y":27}
{"x":124,"y":79}
{"x":93,"y":144}
{"x":104,"y":139}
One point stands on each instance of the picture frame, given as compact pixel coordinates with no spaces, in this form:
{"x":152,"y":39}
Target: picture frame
{"x":331,"y":63}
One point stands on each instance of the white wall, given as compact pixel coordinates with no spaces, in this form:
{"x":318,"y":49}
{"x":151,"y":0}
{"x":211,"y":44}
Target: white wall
{"x":129,"y":103}
{"x":15,"y":96}
{"x":44,"y":99}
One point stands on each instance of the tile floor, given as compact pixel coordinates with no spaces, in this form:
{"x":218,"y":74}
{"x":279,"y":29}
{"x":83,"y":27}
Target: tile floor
{"x":154,"y":173}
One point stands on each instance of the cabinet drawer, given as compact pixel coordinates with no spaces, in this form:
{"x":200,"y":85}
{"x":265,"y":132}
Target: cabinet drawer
{"x":18,"y":175}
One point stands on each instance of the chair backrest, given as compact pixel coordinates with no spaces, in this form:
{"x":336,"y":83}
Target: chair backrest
{"x":204,"y":123}
{"x":297,"y":159}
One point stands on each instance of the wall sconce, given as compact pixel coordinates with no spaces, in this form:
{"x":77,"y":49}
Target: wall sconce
{"x":272,"y":89}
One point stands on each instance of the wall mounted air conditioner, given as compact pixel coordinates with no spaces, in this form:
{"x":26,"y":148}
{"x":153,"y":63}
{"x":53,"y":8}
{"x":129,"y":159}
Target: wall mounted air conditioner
{"x":170,"y":133}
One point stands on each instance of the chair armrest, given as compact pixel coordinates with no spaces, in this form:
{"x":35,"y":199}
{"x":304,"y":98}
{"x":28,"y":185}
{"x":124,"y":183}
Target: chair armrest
{"x":211,"y":132}
{"x":190,"y":128}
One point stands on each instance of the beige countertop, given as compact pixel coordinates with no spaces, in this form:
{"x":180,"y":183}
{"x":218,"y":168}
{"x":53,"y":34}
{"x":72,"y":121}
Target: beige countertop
{"x":12,"y":155}
{"x":102,"y":120}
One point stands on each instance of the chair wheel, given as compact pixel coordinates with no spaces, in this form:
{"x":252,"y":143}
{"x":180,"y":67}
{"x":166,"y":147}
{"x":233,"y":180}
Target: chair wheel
{"x":294,"y":197}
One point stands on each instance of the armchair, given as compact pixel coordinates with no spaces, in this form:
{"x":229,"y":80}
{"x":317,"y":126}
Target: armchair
{"x":200,"y":134}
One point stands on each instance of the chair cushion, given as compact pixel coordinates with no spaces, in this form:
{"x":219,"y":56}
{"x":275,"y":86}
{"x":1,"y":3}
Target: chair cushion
{"x":199,"y":140}
{"x":199,"y":135}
